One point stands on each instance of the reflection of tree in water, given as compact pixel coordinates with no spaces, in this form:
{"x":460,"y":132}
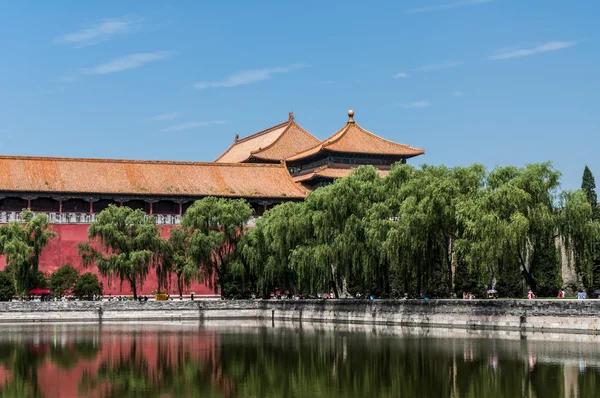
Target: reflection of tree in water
{"x":22,"y":361}
{"x":290,"y":363}
{"x":68,"y":356}
{"x":177,"y":372}
{"x":287,"y":364}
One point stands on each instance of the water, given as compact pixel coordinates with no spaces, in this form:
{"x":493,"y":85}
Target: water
{"x":258,"y":360}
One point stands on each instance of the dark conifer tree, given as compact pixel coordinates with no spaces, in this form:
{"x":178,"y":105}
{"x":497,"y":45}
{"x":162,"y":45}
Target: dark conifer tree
{"x":588,"y":185}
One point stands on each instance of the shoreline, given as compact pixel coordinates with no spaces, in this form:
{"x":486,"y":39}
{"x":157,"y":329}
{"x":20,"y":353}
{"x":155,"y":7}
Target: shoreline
{"x":557,"y":316}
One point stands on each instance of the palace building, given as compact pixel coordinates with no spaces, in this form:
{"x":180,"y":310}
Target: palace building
{"x":282,"y":163}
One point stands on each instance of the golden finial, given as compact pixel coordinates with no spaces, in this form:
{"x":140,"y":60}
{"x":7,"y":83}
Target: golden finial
{"x":350,"y":116}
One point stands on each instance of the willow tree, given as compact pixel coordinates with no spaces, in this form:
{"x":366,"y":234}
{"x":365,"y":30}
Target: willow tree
{"x":175,"y":259}
{"x":336,"y":247}
{"x":266,"y":249}
{"x":511,"y":227}
{"x":215,"y":226}
{"x":418,"y":227}
{"x":580,"y":233}
{"x":22,"y":243}
{"x":122,"y":243}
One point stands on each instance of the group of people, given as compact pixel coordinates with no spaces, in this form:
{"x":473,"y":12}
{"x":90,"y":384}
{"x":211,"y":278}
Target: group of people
{"x":122,"y":298}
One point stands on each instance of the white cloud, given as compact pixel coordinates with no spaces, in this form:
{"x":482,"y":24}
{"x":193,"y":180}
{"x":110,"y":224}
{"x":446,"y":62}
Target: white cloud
{"x":105,"y":30}
{"x":417,"y":104}
{"x":166,"y":116}
{"x":443,"y":65}
{"x":192,"y":125}
{"x":525,"y":52}
{"x":249,"y":76}
{"x":130,"y":61}
{"x":400,"y":75}
{"x":458,"y":94}
{"x":448,"y":6}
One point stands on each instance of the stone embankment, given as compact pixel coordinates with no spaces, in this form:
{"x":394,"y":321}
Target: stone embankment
{"x":537,"y":315}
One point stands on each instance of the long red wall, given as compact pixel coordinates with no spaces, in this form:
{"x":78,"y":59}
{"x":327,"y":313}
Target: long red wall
{"x":63,"y":250}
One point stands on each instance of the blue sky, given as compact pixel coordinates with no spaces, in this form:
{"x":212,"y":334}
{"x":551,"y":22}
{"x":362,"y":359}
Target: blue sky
{"x":472,"y":81}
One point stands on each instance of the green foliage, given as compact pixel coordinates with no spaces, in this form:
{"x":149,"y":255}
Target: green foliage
{"x":212,"y":230}
{"x":588,"y":186}
{"x":22,"y":243}
{"x":432,"y":232}
{"x":175,"y":258}
{"x":122,"y":243}
{"x":322,"y":244}
{"x":41,"y":280}
{"x":87,"y":286}
{"x":581,"y":234}
{"x":513,"y":221}
{"x":62,"y":280}
{"x":7,"y":286}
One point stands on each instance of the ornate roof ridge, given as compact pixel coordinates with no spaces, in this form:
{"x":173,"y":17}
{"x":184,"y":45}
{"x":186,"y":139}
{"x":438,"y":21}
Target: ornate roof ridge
{"x":291,"y":123}
{"x":251,"y":137}
{"x":263,"y":132}
{"x":134,"y":161}
{"x":338,"y":135}
{"x":386,"y":140}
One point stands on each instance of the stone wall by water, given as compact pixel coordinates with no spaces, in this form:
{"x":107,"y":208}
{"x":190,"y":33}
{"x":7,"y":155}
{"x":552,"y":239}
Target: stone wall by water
{"x":540,"y":315}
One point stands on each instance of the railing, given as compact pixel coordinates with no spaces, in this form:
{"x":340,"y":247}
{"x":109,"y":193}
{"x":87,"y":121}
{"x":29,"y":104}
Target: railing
{"x":86,"y":218}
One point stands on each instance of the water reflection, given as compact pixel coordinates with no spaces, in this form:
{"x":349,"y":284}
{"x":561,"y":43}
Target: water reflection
{"x":189,"y":360}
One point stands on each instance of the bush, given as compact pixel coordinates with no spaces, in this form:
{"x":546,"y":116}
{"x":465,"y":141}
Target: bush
{"x":87,"y":286}
{"x":63,"y":280}
{"x":7,"y":286}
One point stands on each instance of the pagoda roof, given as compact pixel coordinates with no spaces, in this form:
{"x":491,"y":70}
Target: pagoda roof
{"x":133,"y":177}
{"x":354,"y":139}
{"x":273,"y":144}
{"x":330,"y":171}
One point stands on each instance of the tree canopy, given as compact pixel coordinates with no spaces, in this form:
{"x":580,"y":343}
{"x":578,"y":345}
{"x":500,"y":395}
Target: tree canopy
{"x":122,"y":243}
{"x":212,"y":229}
{"x":175,"y":259}
{"x":62,"y":280}
{"x":22,"y":243}
{"x":430,"y":231}
{"x":588,"y":186}
{"x":87,"y":286}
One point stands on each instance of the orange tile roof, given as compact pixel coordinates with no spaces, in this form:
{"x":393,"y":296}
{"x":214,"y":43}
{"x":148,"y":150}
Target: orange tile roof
{"x":130,"y":177}
{"x":273,"y":144}
{"x":354,"y":139}
{"x":330,"y":171}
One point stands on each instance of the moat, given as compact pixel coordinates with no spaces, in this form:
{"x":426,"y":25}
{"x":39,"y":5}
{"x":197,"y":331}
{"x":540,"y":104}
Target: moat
{"x":284,"y":359}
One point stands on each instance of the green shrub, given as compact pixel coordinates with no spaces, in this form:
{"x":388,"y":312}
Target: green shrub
{"x":87,"y":286}
{"x":63,"y":280}
{"x":7,"y":286}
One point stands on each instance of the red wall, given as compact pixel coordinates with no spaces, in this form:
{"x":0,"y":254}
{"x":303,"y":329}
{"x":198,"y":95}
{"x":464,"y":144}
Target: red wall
{"x":63,"y":250}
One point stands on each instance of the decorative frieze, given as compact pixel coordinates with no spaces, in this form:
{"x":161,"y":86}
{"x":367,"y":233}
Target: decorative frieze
{"x":86,"y":218}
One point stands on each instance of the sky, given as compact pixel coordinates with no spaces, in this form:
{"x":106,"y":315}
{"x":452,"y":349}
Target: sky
{"x":497,"y":82}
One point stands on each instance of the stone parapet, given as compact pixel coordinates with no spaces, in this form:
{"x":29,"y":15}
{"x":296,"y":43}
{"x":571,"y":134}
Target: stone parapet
{"x":538,"y":315}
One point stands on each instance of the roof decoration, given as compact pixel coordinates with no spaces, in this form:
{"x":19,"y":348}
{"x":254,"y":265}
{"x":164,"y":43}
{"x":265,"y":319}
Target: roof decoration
{"x":273,"y":144}
{"x":354,"y":139}
{"x":129,"y":177}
